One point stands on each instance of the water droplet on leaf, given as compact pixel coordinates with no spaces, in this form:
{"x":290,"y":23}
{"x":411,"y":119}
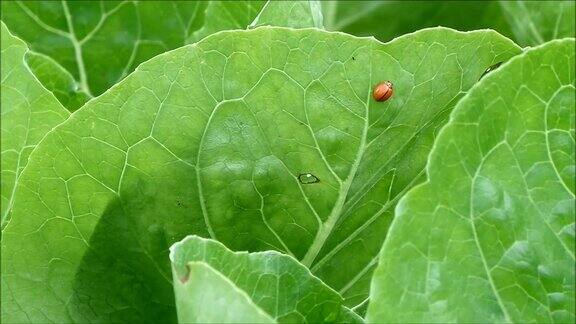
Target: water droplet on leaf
{"x":307,"y":178}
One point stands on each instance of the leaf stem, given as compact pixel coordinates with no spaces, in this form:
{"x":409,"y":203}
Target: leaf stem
{"x":77,"y":51}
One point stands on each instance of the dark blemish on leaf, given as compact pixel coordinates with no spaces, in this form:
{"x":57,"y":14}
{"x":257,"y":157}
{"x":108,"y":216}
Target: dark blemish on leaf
{"x":184,"y":279}
{"x":178,"y":203}
{"x":307,"y":178}
{"x":353,"y":59}
{"x":490,"y":69}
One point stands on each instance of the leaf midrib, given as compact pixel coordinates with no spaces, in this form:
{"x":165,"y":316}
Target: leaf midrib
{"x":326,"y":228}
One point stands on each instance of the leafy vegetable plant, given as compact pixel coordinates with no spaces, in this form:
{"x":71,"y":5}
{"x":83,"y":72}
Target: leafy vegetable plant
{"x":251,"y":176}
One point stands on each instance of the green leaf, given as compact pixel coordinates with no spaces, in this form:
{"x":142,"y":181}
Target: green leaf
{"x":207,"y":296}
{"x":226,"y":15}
{"x":490,"y":236}
{"x":100,"y":42}
{"x":261,"y":139}
{"x":269,"y":284}
{"x":527,"y":22}
{"x":56,"y":79}
{"x":535,"y":22}
{"x":293,"y":14}
{"x":29,"y":111}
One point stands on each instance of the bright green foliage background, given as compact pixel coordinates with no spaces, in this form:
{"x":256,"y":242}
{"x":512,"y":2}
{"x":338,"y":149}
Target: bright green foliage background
{"x":219,"y":139}
{"x":536,"y":22}
{"x":102,"y":190}
{"x":490,"y":236}
{"x":275,"y":285}
{"x":100,"y":42}
{"x":528,"y":23}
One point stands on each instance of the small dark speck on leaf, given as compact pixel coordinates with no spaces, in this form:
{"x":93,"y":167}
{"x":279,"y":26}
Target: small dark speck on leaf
{"x":490,"y":69}
{"x":307,"y":178}
{"x":353,"y":59}
{"x":184,"y":279}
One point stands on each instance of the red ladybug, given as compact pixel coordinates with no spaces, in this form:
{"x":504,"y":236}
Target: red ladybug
{"x":383,"y":91}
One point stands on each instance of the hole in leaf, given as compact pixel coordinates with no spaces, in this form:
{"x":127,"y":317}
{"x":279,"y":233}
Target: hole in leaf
{"x":308,"y":178}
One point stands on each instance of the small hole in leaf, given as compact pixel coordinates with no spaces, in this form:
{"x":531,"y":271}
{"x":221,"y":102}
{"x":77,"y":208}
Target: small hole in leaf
{"x":308,"y":178}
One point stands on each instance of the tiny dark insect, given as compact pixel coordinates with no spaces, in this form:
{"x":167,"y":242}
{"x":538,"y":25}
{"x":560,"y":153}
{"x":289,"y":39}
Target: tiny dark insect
{"x":383,"y":91}
{"x":353,"y":59}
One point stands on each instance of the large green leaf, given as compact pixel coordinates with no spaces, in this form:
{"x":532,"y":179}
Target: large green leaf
{"x":100,"y":42}
{"x":261,"y":139}
{"x":527,"y":22}
{"x":276,"y":286}
{"x":29,"y":111}
{"x":490,"y":236}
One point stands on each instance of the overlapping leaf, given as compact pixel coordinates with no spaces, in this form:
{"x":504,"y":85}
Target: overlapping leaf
{"x":222,"y":139}
{"x":57,"y":80}
{"x":267,"y":286}
{"x":29,"y":111}
{"x":213,"y":298}
{"x":490,"y":236}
